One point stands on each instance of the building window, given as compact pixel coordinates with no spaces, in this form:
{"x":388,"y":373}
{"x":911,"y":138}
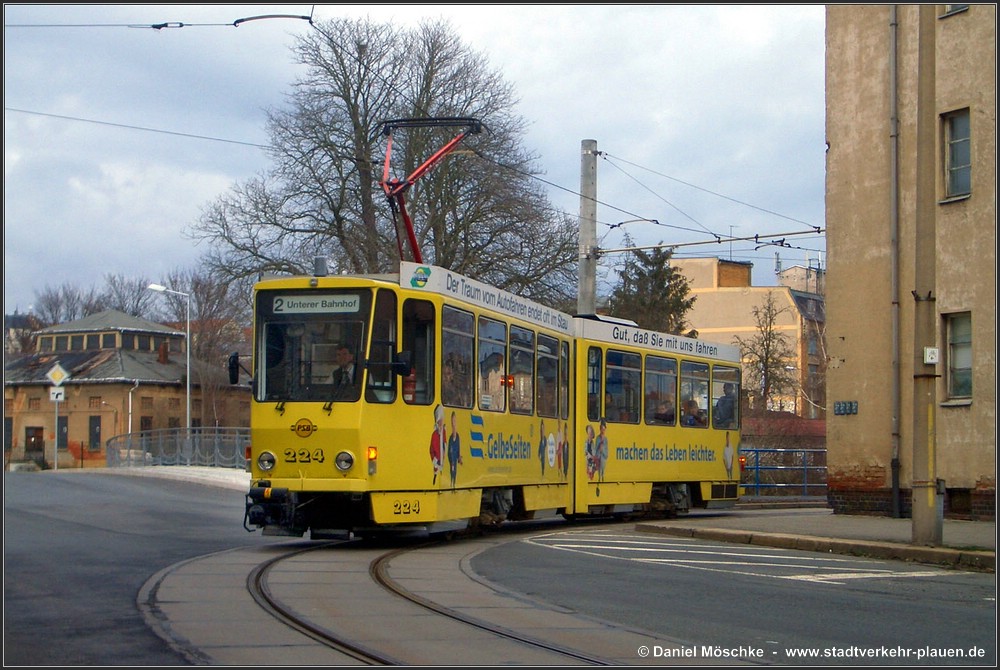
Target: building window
{"x":34,"y":404}
{"x":94,"y":402}
{"x":146,"y":402}
{"x":958,"y":154}
{"x":951,"y":10}
{"x":108,"y":341}
{"x":959,"y":355}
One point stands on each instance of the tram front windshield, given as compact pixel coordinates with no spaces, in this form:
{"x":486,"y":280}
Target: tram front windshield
{"x":310,"y":346}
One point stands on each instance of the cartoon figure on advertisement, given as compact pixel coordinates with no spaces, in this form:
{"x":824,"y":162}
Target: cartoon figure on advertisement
{"x":589,"y":452}
{"x":559,"y":449}
{"x":727,"y":457}
{"x":437,"y":441}
{"x":565,"y":450}
{"x":543,"y":445}
{"x":601,"y":449}
{"x":454,"y":450}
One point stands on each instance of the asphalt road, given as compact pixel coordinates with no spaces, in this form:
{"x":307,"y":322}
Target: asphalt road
{"x":77,"y":549}
{"x":718,"y":596}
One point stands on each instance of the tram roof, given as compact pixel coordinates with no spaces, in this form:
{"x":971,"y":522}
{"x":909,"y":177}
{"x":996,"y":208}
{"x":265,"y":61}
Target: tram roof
{"x":435,"y":279}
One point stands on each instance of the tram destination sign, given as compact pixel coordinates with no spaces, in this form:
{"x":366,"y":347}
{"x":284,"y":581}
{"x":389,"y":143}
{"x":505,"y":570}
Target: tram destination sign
{"x":316,"y":304}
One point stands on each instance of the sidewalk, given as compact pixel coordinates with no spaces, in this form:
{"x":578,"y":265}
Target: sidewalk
{"x":966,"y":545}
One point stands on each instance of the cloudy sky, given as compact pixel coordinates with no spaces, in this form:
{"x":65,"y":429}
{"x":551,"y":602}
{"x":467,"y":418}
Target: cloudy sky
{"x":116,"y":134}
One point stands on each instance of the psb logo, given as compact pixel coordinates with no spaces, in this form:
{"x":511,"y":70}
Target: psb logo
{"x":304,"y":428}
{"x":420,"y":277}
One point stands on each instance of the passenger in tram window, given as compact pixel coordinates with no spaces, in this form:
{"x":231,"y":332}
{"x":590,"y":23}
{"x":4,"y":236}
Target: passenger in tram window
{"x":692,"y":414}
{"x":725,"y":407}
{"x":665,"y":410}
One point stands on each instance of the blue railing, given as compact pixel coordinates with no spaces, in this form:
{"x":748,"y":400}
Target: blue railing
{"x":214,"y":447}
{"x":800,"y":470}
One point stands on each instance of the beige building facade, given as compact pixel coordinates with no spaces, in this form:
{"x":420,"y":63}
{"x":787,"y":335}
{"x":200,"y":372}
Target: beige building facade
{"x":107,"y":375}
{"x":724,"y":310}
{"x":911,"y":265}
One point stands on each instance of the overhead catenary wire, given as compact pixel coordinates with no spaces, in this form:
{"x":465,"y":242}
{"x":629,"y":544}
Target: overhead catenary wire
{"x":613,"y":160}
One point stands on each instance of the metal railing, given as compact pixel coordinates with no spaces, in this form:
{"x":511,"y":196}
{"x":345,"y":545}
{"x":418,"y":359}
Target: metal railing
{"x":790,"y":471}
{"x":214,"y":447}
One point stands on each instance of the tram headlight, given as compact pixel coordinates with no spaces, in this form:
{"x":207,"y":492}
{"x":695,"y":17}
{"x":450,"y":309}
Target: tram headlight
{"x":344,"y":461}
{"x":266,"y":461}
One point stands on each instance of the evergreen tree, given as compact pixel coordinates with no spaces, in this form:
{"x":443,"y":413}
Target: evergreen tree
{"x":652,"y":293}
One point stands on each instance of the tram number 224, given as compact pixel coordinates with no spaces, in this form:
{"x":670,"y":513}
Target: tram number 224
{"x":405,"y":507}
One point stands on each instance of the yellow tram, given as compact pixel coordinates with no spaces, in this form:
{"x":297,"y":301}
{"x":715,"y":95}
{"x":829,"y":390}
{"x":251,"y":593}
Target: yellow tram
{"x":429,"y":400}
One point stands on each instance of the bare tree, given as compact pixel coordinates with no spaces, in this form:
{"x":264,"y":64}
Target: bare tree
{"x":66,"y":303}
{"x":766,"y":356}
{"x":480,"y":211}
{"x":128,"y":295}
{"x":652,"y":293}
{"x":218,"y":317}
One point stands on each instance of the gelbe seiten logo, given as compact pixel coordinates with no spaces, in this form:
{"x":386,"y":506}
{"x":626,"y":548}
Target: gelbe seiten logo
{"x":420,"y":277}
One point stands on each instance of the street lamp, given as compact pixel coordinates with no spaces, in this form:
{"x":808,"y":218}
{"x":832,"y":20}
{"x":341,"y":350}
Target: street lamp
{"x":159,"y":288}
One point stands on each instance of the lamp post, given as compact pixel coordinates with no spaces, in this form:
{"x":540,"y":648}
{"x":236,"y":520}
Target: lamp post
{"x":159,"y":288}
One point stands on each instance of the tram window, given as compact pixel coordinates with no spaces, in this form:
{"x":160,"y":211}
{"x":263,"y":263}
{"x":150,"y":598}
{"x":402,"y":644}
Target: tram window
{"x":564,"y":380}
{"x":492,"y":365}
{"x":457,"y":333}
{"x":594,"y":364}
{"x":418,"y":339}
{"x":548,"y":369}
{"x":381,"y":380}
{"x":522,"y":370}
{"x":694,"y":394}
{"x":621,"y":387}
{"x":725,"y":397}
{"x":661,"y":390}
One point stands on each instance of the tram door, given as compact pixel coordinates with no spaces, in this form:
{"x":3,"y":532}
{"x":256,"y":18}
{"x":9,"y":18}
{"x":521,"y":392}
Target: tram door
{"x":34,"y":445}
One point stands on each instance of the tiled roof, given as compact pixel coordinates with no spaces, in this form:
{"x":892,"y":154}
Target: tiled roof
{"x":95,"y":367}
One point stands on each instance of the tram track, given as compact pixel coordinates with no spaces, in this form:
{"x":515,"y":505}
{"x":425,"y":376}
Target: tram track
{"x":357,"y":602}
{"x":259,"y":589}
{"x":379,"y":570}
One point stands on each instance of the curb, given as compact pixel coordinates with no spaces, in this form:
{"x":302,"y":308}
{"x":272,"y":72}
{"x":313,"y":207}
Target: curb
{"x":965,"y":559}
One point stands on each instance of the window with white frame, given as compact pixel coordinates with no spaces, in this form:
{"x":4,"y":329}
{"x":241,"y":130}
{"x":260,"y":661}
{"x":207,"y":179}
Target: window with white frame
{"x":959,"y":328}
{"x":958,"y":153}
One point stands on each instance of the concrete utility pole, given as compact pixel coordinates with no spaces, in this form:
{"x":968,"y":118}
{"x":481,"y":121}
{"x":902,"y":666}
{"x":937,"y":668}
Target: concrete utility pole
{"x":928,"y":510}
{"x":586,"y":302}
